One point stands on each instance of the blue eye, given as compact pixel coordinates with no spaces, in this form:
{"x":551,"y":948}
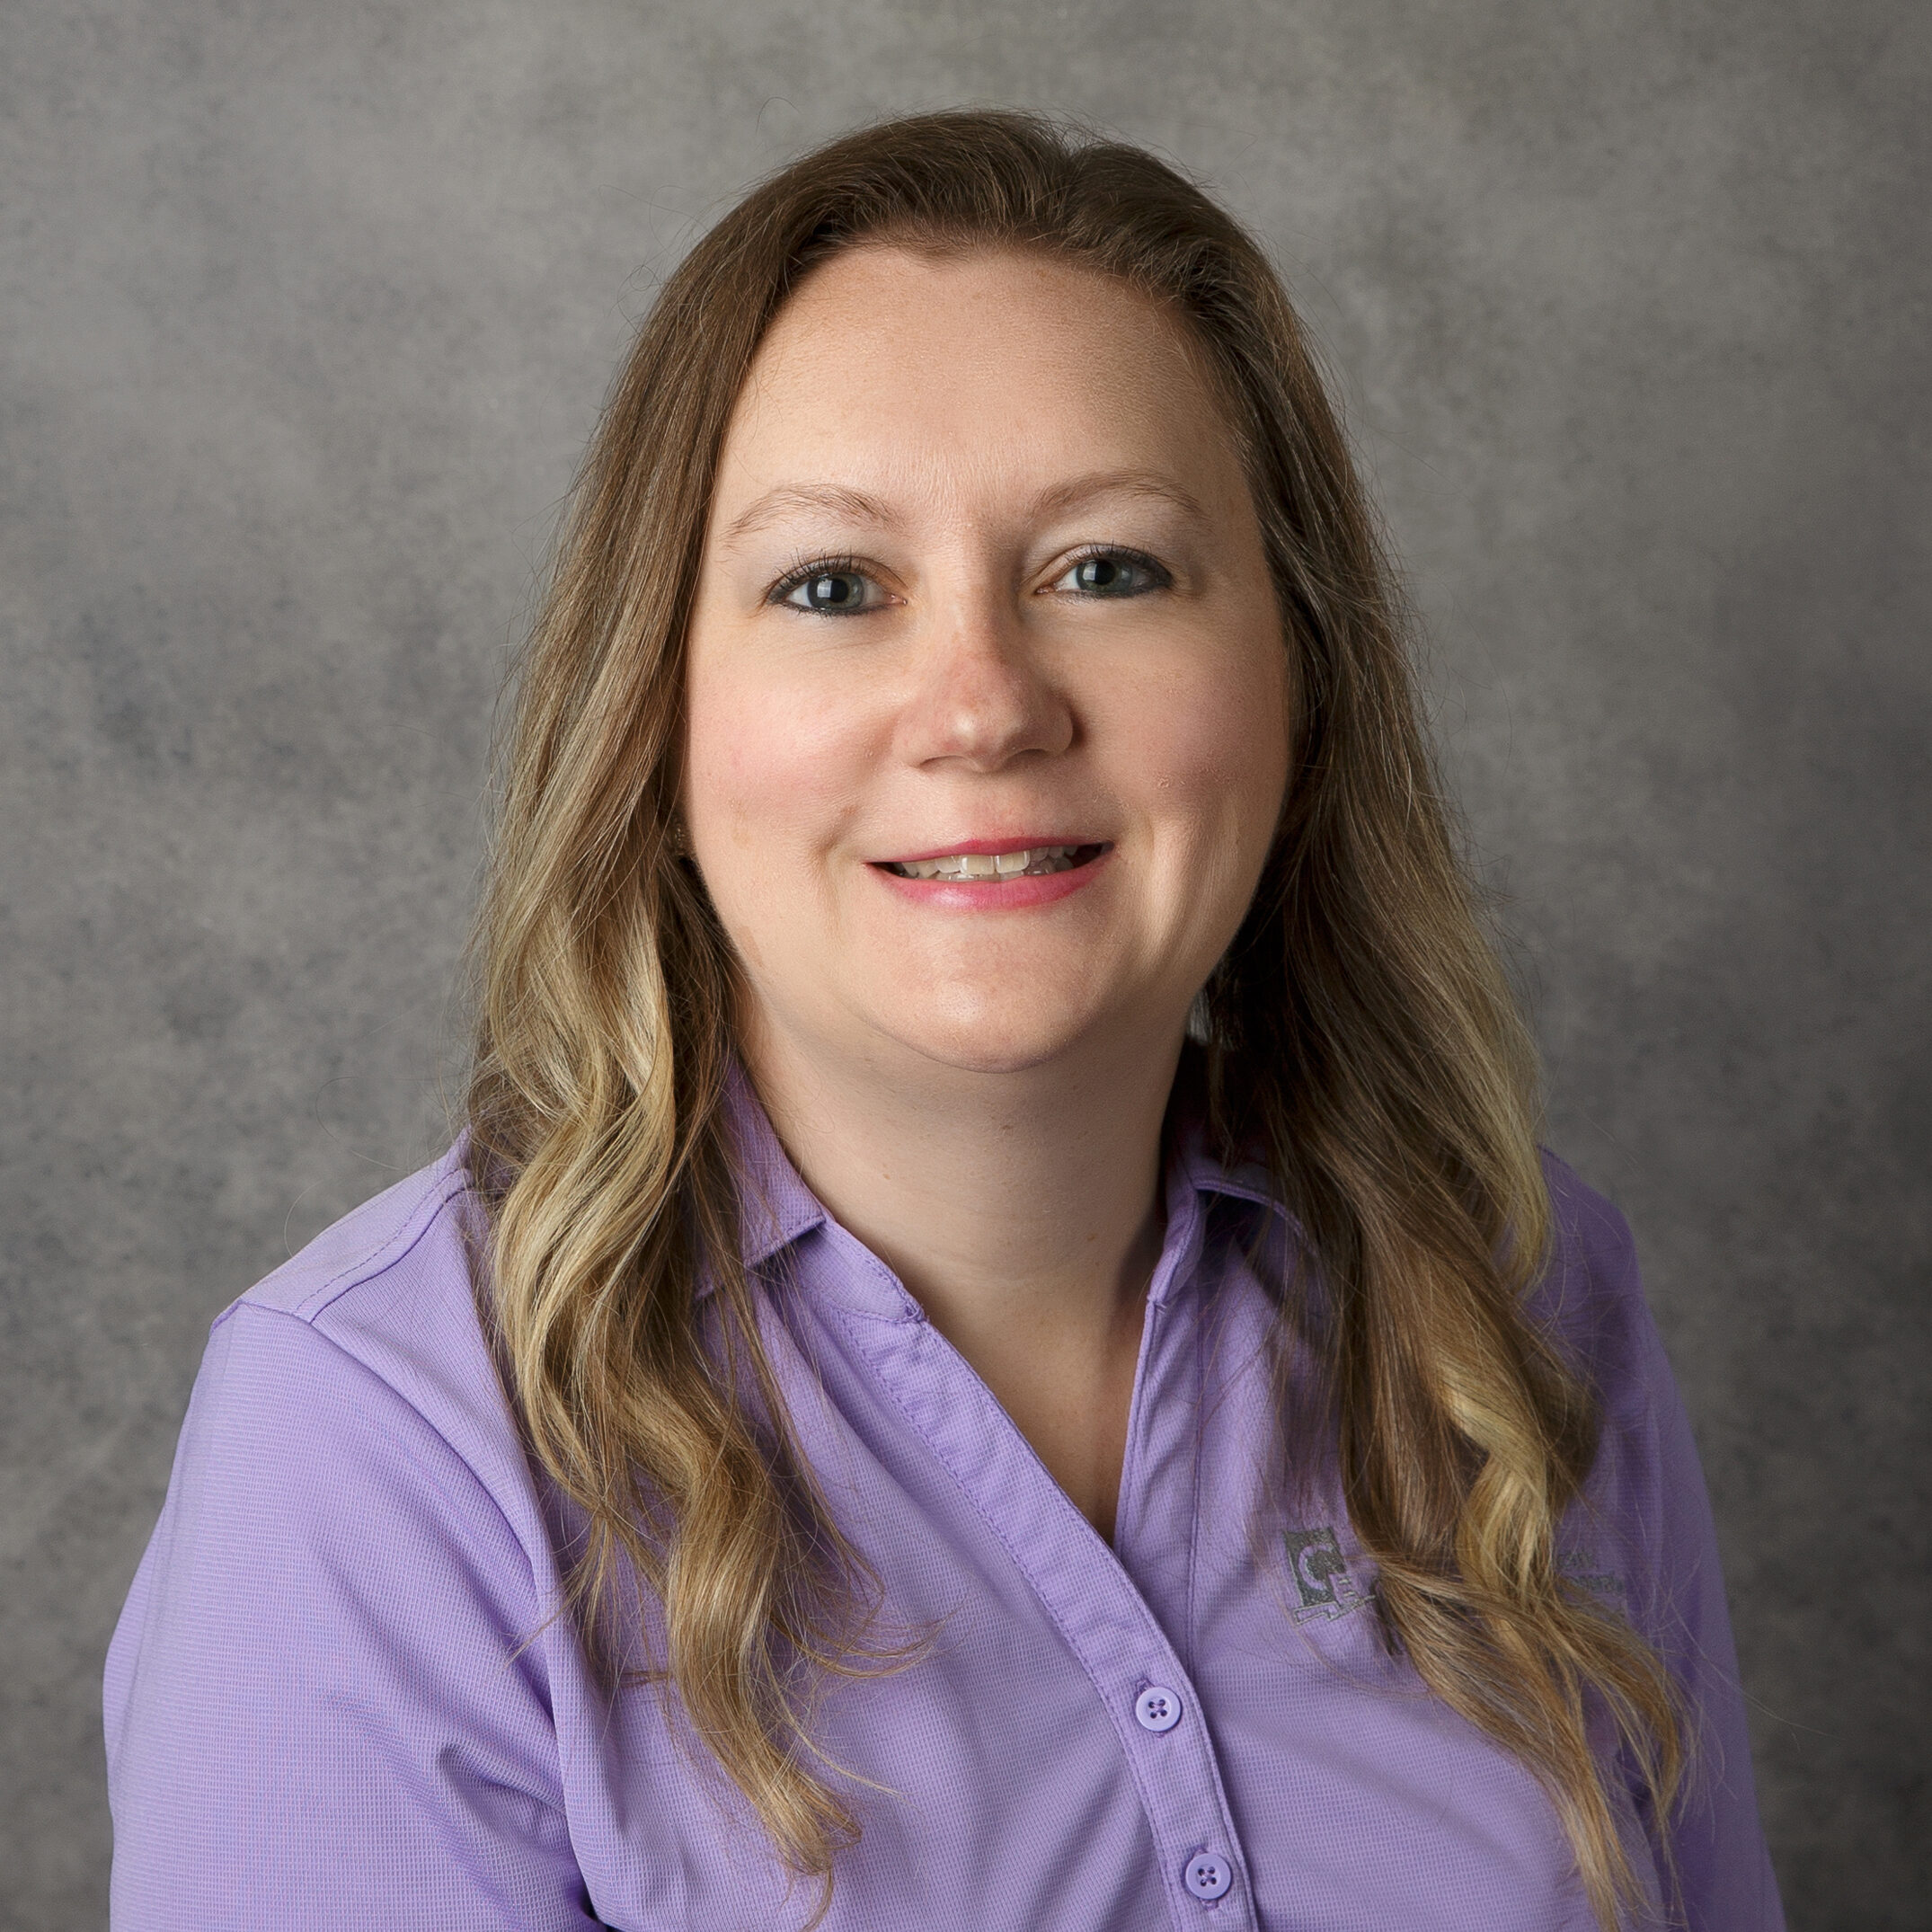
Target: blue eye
{"x":831,"y":590}
{"x":1114,"y":573}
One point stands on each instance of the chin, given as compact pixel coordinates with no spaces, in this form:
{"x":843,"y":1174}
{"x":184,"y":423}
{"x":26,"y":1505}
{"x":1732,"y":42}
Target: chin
{"x":978,"y":1058}
{"x":987,"y":1040}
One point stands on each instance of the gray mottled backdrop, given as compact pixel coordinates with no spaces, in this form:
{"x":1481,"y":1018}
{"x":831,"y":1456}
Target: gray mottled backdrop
{"x":304,"y":314}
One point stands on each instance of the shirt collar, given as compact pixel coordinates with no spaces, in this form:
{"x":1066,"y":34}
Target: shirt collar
{"x":774,"y":1206}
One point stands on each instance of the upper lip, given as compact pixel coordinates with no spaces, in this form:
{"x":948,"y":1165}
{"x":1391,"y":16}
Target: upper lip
{"x":1014,"y":842}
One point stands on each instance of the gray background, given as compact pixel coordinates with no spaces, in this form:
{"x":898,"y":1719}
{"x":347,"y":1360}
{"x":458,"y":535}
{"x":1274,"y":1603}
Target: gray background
{"x":306,"y":313}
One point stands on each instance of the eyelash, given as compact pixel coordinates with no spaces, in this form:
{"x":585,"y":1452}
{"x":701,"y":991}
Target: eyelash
{"x":807,"y":568}
{"x":1163,"y":577}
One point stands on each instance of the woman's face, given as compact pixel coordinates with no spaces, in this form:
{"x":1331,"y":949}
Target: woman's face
{"x":987,"y":718}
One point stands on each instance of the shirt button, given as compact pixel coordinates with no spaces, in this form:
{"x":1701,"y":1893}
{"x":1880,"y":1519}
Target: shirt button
{"x":1207,"y":1876}
{"x":1156,"y":1708}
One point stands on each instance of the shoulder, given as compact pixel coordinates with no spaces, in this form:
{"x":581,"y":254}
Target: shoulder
{"x":380,"y":1239}
{"x":1589,"y":1298}
{"x":1590,"y":1303}
{"x":348,"y":1443}
{"x":1643,"y":1512}
{"x":363,"y":1359}
{"x":340,"y":1622}
{"x":392,"y":1287}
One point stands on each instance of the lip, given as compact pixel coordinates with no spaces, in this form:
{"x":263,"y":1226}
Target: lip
{"x":1011,"y":842}
{"x":992,"y":895}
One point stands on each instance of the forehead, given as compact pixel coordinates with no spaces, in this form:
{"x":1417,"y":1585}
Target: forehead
{"x":892,"y":355}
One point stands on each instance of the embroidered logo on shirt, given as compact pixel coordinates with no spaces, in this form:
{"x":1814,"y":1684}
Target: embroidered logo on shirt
{"x":1322,"y":1575}
{"x":1580,"y":1567}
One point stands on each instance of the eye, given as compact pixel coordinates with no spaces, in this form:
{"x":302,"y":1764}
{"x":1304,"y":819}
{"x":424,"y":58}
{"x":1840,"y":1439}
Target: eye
{"x":834,"y":589}
{"x":1113,"y":574}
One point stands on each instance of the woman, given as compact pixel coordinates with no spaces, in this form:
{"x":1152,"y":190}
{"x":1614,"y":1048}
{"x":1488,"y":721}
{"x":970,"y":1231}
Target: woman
{"x":997,"y":1349}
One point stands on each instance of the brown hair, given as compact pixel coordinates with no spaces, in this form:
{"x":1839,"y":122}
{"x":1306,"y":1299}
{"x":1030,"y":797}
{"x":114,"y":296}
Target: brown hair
{"x":1358,"y":1030}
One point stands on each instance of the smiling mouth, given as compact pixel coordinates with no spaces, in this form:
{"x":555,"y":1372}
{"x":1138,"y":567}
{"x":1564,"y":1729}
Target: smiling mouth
{"x":991,"y":868}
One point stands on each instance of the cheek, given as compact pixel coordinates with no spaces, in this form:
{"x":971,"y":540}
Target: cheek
{"x":771,"y":765}
{"x":1210,"y":746}
{"x":754,"y":792}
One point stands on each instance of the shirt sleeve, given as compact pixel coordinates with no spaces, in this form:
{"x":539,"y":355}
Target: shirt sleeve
{"x":324,"y":1704}
{"x":1713,"y":1857}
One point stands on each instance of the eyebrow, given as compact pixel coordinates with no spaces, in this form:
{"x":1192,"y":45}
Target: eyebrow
{"x":784,"y":498}
{"x":1081,"y":489}
{"x":776,"y":504}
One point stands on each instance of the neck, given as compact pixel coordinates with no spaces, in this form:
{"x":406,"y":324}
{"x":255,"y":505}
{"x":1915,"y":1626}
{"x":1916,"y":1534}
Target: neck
{"x":1022,"y":1210}
{"x":1031,"y":1196}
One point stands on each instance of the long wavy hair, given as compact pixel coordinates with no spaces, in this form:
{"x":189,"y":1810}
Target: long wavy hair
{"x":1359,"y":1031}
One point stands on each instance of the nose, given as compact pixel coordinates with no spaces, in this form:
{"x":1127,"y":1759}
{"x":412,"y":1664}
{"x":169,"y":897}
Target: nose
{"x":982,"y":698}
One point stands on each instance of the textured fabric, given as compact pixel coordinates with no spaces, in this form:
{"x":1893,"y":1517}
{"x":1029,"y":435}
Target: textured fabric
{"x":341,"y":1695}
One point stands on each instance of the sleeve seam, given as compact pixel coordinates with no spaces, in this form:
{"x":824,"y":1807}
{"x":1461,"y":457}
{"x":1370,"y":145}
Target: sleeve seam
{"x":421,"y":1219}
{"x":375,"y":1375}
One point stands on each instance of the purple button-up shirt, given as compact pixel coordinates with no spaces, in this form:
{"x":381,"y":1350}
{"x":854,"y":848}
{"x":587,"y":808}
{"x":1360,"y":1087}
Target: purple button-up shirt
{"x":341,"y":1693}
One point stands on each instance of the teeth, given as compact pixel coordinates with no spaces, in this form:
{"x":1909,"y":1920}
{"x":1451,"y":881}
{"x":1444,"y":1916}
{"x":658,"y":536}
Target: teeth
{"x":1033,"y":862}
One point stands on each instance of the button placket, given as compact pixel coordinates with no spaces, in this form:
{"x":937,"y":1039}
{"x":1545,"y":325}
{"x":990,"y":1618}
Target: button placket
{"x":1093,"y":1602}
